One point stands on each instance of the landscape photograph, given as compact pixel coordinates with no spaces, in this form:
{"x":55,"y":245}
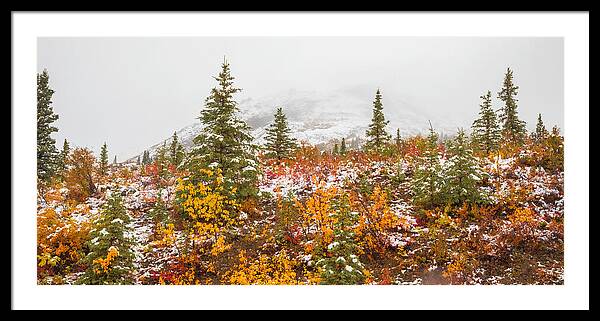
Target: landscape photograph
{"x":300,"y":161}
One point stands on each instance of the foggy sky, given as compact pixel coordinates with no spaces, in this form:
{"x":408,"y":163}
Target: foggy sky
{"x":134,"y":92}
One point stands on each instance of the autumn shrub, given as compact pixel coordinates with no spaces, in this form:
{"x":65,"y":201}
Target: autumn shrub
{"x":60,"y":241}
{"x":164,"y":235}
{"x":523,"y":223}
{"x":442,"y":231}
{"x":375,"y":220}
{"x":264,"y":270}
{"x":80,"y":174}
{"x":460,"y":268}
{"x":210,"y":214}
{"x":288,"y":224}
{"x":207,"y":208}
{"x":553,"y":158}
{"x":317,"y":215}
{"x":181,"y":271}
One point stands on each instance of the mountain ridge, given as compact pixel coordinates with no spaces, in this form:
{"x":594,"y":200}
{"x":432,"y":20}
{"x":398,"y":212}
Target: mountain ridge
{"x":320,"y":118}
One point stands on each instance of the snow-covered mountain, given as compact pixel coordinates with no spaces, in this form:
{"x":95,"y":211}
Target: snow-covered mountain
{"x":322,"y":118}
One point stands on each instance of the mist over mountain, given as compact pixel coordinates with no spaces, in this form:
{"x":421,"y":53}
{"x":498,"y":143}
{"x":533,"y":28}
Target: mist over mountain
{"x":322,"y":118}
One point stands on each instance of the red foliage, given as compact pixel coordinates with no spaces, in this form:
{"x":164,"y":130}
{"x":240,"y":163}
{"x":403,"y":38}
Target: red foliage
{"x":385,"y":277}
{"x":294,"y":234}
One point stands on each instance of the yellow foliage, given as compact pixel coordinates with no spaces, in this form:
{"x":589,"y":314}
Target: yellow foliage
{"x":60,"y":238}
{"x":522,"y":216}
{"x":219,"y":246}
{"x":266,"y":269}
{"x":209,"y":208}
{"x":317,"y":211}
{"x":165,"y":235}
{"x":375,"y":220}
{"x":458,"y":270}
{"x":105,"y":263}
{"x":313,"y":277}
{"x":47,"y":258}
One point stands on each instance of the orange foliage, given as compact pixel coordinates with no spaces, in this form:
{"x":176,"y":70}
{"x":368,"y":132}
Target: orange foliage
{"x":375,"y":220}
{"x":317,"y":213}
{"x":105,"y":263}
{"x":60,"y":240}
{"x":266,"y":269}
{"x":80,"y":175}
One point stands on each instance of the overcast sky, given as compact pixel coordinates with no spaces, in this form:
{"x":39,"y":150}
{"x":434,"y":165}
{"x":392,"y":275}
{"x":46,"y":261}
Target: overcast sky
{"x":134,"y":92}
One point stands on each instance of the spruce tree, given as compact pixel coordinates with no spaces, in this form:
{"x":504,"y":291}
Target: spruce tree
{"x":46,"y":145}
{"x":342,"y":265}
{"x":145,"y":158}
{"x":115,"y":160}
{"x":377,"y":137}
{"x":63,"y":156}
{"x":144,"y":163}
{"x":225,"y":144}
{"x":336,"y":149}
{"x":161,"y":161}
{"x":486,"y":132}
{"x":462,"y":172}
{"x":343,"y":146}
{"x":138,"y":160}
{"x":513,"y":129}
{"x":427,"y":182}
{"x":280,"y":144}
{"x":176,"y":151}
{"x":110,"y":260}
{"x":398,"y":139}
{"x":160,"y":213}
{"x":540,"y":130}
{"x":104,"y":159}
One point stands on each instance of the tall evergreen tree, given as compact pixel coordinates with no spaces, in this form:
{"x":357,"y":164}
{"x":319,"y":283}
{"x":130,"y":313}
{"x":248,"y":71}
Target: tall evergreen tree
{"x":161,"y":161}
{"x":377,"y":137}
{"x":226,"y":143}
{"x":343,"y":146}
{"x":540,"y":130}
{"x":513,"y":129}
{"x":462,"y":172}
{"x":46,"y":145}
{"x":145,"y":158}
{"x":486,"y":132}
{"x":427,"y":183}
{"x":280,"y":144}
{"x":336,"y":149}
{"x":144,"y":163}
{"x":115,"y":160}
{"x":138,"y":160}
{"x":110,"y":260}
{"x":63,"y":156}
{"x":176,"y":151}
{"x":104,"y":159}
